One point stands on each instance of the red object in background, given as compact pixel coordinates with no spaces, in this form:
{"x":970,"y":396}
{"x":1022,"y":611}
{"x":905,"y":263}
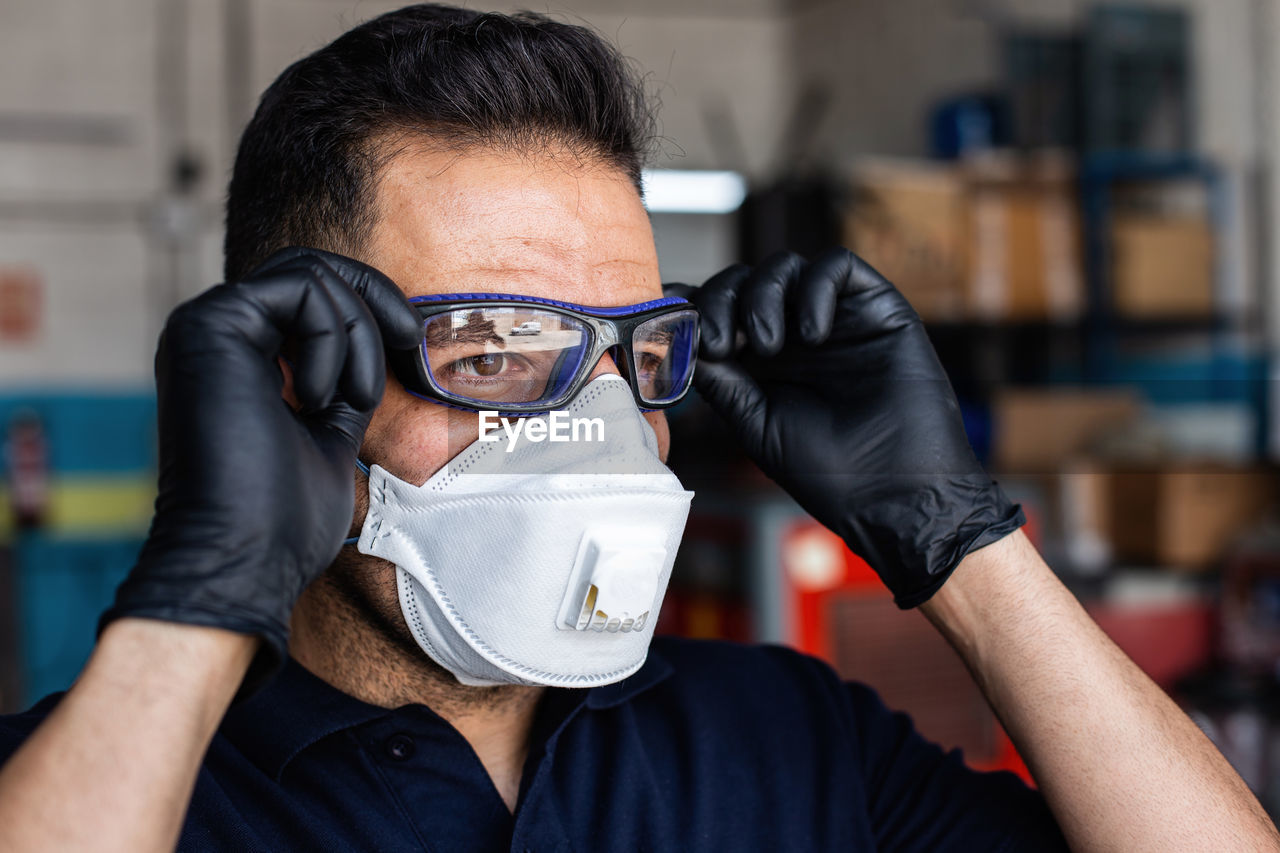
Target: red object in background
{"x":839,"y":610}
{"x":26,"y":456}
{"x":21,"y":301}
{"x":704,"y":615}
{"x":1166,"y":641}
{"x":706,"y":599}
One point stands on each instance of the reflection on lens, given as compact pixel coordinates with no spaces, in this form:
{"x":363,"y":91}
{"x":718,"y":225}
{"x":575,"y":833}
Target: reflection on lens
{"x":664,"y":352}
{"x":489,"y":364}
{"x":504,"y":353}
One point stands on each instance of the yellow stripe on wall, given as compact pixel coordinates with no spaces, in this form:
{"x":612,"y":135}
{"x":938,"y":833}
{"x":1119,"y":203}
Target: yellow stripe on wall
{"x":93,"y":506}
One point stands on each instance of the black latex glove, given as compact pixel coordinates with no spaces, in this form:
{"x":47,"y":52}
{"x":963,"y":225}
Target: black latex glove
{"x":828,"y":378}
{"x":255,"y":498}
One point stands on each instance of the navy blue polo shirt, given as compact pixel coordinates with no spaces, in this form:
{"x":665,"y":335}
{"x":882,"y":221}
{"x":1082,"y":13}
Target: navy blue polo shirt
{"x":709,"y":747}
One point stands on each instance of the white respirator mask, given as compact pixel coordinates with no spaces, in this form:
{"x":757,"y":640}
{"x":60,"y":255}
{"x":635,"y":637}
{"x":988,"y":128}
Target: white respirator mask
{"x":538,"y":560}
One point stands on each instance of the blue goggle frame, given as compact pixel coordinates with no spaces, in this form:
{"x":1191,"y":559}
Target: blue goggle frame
{"x":608,"y":329}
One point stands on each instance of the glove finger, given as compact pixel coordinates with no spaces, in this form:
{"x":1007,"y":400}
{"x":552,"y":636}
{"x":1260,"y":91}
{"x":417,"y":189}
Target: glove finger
{"x":298,"y":305}
{"x":679,"y":291}
{"x":717,"y":302}
{"x":736,"y":397}
{"x":762,"y":302}
{"x":397,"y":319}
{"x":341,"y":426}
{"x":279,"y":258}
{"x":813,"y":298}
{"x":399,"y":324}
{"x":854,"y":274}
{"x":364,"y":372}
{"x":876,"y":304}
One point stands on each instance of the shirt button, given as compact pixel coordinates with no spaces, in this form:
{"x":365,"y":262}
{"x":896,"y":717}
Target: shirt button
{"x":400,"y":747}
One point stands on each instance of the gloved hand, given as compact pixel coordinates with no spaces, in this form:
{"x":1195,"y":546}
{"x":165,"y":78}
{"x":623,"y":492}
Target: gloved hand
{"x":828,"y":378}
{"x":255,"y":498}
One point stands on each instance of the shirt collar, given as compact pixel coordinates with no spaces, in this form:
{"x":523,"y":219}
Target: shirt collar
{"x":289,"y":714}
{"x":298,"y":709}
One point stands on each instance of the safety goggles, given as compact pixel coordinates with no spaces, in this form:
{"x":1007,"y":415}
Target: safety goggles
{"x":521,"y":354}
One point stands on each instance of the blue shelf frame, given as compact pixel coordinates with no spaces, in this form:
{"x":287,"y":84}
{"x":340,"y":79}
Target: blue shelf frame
{"x":1099,"y":173}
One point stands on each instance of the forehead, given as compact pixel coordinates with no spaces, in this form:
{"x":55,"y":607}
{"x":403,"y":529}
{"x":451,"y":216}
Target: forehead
{"x":546,"y":224}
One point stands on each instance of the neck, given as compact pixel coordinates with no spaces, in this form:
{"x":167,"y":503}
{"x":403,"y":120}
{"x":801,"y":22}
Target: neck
{"x":349,"y":632}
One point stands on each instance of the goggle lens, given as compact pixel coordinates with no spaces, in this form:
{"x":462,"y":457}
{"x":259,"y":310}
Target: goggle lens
{"x":663,"y":355}
{"x":503,"y":354}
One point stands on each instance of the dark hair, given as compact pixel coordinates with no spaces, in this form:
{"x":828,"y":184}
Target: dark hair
{"x":308,"y":161}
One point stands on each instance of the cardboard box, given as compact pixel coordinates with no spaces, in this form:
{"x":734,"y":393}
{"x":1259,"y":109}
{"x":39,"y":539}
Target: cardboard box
{"x":1084,"y":506}
{"x":1025,"y":246}
{"x":909,"y":221}
{"x":990,"y":242}
{"x":1183,"y":515}
{"x":1040,"y":430}
{"x":1162,"y":267}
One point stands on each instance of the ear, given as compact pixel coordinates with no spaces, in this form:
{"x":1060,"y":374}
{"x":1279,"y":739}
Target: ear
{"x":286,"y":390}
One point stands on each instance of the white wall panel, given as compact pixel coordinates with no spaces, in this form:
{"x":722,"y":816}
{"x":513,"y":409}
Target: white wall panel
{"x":887,"y":63}
{"x":96,"y":329}
{"x":65,"y":64}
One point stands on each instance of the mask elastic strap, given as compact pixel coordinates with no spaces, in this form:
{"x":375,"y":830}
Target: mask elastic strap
{"x":364,"y":469}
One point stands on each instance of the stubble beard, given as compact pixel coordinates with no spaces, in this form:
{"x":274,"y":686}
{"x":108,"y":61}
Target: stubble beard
{"x":349,"y":630}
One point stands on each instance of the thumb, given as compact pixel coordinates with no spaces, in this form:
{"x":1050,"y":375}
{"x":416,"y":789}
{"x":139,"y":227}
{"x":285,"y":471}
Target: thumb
{"x":398,"y":322}
{"x":736,"y":397}
{"x":340,"y":426}
{"x":678,"y":290}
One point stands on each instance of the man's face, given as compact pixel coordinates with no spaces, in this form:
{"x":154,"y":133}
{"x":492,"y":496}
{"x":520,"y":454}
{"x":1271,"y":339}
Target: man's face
{"x":547,"y":225}
{"x":544,"y":225}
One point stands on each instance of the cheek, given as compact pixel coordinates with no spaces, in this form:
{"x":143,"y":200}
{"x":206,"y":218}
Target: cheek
{"x":361,"y":508}
{"x":413,"y":438}
{"x":658,"y":420}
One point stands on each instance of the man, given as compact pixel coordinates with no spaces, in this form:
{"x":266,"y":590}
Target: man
{"x":460,"y":156}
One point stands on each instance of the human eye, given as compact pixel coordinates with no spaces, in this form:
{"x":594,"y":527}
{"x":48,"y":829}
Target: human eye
{"x":491,"y":376}
{"x":483,"y":369}
{"x":650,"y":360}
{"x":484,"y":366}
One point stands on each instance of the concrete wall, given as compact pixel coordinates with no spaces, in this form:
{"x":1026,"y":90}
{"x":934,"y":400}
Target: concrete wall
{"x":885,"y":64}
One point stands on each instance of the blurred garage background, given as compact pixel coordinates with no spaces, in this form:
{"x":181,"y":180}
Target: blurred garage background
{"x":1080,"y":199}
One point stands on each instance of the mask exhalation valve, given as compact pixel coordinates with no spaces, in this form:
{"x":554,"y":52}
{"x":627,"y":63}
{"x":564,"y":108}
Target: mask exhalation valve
{"x":614,"y":582}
